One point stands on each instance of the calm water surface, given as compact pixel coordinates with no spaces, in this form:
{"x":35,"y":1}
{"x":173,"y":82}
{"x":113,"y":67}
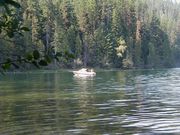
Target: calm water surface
{"x":112,"y":103}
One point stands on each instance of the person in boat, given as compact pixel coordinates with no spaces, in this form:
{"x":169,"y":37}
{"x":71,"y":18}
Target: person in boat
{"x":89,"y":70}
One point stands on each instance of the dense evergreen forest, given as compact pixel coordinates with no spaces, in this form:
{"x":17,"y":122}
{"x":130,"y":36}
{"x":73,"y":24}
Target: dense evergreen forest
{"x":99,"y":33}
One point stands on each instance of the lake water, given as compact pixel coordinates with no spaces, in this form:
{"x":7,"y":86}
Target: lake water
{"x":141,"y":102}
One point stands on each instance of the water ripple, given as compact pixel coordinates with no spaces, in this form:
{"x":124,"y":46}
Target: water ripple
{"x":114,"y":102}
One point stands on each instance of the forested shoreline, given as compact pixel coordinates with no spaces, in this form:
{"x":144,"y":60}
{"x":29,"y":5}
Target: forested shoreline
{"x":99,"y":33}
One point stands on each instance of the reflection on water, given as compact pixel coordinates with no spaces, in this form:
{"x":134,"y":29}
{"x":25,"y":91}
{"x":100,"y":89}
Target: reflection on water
{"x":112,"y":102}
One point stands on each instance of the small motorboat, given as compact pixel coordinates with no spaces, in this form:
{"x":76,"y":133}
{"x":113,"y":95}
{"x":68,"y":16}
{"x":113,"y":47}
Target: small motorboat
{"x":84,"y":72}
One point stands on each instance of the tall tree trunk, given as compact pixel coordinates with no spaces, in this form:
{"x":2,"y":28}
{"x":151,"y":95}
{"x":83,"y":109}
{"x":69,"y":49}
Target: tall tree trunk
{"x":138,"y":28}
{"x":85,"y":54}
{"x":47,"y":38}
{"x":84,"y":49}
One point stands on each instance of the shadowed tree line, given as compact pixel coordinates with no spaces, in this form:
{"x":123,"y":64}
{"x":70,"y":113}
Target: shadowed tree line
{"x":96,"y":33}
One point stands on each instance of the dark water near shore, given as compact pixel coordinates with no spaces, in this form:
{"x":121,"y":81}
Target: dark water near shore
{"x":114,"y":102}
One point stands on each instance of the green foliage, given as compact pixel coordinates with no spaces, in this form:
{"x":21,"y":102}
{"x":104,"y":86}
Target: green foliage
{"x":10,"y":2}
{"x":36,"y":54}
{"x":10,"y":27}
{"x":101,"y":33}
{"x":121,"y":47}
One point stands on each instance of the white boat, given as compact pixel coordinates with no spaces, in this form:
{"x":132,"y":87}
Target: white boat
{"x":84,"y":72}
